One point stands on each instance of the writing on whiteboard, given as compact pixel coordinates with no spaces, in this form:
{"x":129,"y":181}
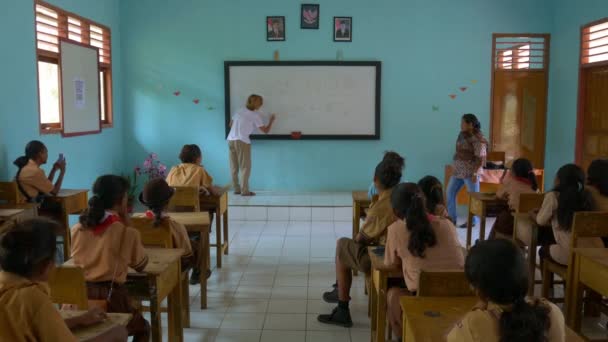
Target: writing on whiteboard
{"x":79,"y":93}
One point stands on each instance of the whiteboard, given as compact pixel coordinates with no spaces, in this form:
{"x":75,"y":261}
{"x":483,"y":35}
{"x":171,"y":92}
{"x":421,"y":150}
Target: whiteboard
{"x":321,"y":100}
{"x":79,"y":76}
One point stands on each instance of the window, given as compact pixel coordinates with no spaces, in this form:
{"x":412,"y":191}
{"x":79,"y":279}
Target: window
{"x":53,"y":23}
{"x":519,"y":53}
{"x":594,"y":47}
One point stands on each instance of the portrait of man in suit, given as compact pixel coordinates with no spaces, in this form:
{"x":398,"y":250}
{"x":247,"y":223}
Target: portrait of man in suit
{"x":275,"y":28}
{"x":343,"y":29}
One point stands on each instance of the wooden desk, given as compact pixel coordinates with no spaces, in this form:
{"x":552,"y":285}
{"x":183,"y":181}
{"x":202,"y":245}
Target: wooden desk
{"x":71,"y":202}
{"x":198,"y":222}
{"x":378,"y":291}
{"x":590,"y":270}
{"x":10,"y":214}
{"x":360,"y":203}
{"x":85,"y":334}
{"x":220,"y":205}
{"x":159,"y":280}
{"x":479,"y":204}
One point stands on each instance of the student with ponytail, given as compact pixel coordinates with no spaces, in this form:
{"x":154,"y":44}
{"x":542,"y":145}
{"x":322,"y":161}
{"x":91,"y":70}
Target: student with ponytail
{"x":105,"y":247}
{"x":568,"y":196}
{"x":156,"y":196}
{"x":433,"y":193}
{"x":417,"y":241}
{"x":521,"y":179}
{"x":30,"y":178}
{"x":597,"y":184}
{"x":27,"y":258}
{"x":498,"y":272}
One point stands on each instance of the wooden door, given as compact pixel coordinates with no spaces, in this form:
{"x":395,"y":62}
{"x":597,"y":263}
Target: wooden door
{"x":594,"y":139}
{"x":519,"y":96}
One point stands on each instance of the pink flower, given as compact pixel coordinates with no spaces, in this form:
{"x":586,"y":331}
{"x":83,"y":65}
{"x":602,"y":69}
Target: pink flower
{"x":147,"y":164}
{"x":154,"y":156}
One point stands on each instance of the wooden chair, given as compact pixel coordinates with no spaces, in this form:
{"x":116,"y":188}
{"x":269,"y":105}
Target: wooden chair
{"x":451,"y":283}
{"x":9,"y":193}
{"x":186,"y":198}
{"x":68,"y":286}
{"x":584,"y":225}
{"x":160,"y":237}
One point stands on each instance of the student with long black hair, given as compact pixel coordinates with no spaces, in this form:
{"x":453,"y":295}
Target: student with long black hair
{"x":30,"y":178}
{"x":416,"y":241}
{"x":104,"y":246}
{"x":521,"y":179}
{"x":498,"y":272}
{"x":470,"y":155}
{"x":27,"y":258}
{"x":433,"y":193}
{"x":568,"y":196}
{"x":597,"y":183}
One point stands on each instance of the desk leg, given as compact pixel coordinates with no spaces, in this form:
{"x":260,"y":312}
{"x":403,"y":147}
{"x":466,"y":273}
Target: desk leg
{"x":176,"y":329}
{"x":469,"y":229}
{"x":356,"y":218}
{"x":574,"y":299}
{"x":482,"y":226}
{"x":185,"y":296}
{"x":373,"y":303}
{"x":226,"y":237}
{"x":204,"y":266}
{"x":155,"y":317}
{"x":532,"y":259}
{"x":218,"y":235}
{"x":66,"y":236}
{"x":381,"y":316}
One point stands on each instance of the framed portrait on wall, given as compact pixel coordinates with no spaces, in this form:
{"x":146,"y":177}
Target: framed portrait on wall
{"x":275,"y":29}
{"x":309,"y":17}
{"x":343,"y":29}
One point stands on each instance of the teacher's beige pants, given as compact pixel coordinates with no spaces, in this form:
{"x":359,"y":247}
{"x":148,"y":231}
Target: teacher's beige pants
{"x":240,"y":160}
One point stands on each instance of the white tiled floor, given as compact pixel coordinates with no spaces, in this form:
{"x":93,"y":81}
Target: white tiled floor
{"x":271,"y":284}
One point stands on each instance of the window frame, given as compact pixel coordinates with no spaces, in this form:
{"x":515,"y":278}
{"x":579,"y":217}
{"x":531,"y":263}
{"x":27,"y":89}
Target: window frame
{"x":53,"y":57}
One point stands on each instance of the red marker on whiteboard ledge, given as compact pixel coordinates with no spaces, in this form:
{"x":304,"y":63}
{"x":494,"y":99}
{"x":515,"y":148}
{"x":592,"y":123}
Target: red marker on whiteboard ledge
{"x":296,"y":134}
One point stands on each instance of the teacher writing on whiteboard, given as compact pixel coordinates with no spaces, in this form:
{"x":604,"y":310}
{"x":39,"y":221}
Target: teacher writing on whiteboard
{"x":244,"y":122}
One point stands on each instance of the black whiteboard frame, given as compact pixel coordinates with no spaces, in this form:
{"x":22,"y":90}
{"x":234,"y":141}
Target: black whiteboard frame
{"x":376,"y":64}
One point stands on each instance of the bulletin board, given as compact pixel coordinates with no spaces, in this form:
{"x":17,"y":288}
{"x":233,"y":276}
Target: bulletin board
{"x":80,"y":93}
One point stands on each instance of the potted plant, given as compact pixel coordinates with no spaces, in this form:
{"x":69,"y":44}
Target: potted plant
{"x":152,"y":168}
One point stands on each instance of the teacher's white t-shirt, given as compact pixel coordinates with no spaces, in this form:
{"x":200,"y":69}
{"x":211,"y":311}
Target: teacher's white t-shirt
{"x":244,"y":123}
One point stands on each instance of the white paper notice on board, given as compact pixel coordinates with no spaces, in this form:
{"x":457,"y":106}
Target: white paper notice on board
{"x":79,"y":93}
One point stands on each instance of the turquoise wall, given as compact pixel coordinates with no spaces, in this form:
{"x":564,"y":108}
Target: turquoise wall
{"x":428,"y":50}
{"x":87,"y":156}
{"x":568,"y":18}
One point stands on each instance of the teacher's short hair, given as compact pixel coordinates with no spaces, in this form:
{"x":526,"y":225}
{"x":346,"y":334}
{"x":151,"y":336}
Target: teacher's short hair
{"x":253,"y":100}
{"x":190,"y":153}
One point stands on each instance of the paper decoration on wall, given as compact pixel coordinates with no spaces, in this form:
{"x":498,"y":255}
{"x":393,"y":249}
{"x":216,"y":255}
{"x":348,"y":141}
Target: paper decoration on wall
{"x":176,"y":93}
{"x":210,"y":108}
{"x":196,"y":101}
{"x":435,"y":108}
{"x":474,"y":82}
{"x":296,"y":135}
{"x":276,"y":55}
{"x":452,"y":96}
{"x":463,"y":89}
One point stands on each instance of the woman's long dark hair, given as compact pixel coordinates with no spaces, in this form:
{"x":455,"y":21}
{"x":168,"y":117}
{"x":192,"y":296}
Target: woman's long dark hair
{"x":32,"y":150}
{"x":522,"y":168}
{"x":498,"y":270}
{"x":597,"y":175}
{"x":573,"y":196}
{"x":433,"y":192}
{"x":108,"y":190}
{"x":28,"y":245}
{"x":408,"y":203}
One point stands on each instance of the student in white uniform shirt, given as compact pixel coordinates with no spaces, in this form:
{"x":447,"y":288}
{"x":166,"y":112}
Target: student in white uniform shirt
{"x":244,"y":122}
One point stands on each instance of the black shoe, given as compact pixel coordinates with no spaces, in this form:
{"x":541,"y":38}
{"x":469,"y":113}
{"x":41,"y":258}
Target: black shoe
{"x":335,"y":285}
{"x":464,"y":225}
{"x":195,"y":277}
{"x":331,"y":296}
{"x":340,"y":317}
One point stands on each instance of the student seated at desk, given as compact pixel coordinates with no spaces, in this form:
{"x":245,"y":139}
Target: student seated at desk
{"x":104,"y":246}
{"x":597,"y":184}
{"x":498,"y":272}
{"x":191,"y":173}
{"x":568,"y":196}
{"x":156,"y":196}
{"x":433,"y":193}
{"x":388,"y":155}
{"x":417,"y":241}
{"x":30,"y":178}
{"x":27,"y":258}
{"x":352,"y":254}
{"x":521,"y":179}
